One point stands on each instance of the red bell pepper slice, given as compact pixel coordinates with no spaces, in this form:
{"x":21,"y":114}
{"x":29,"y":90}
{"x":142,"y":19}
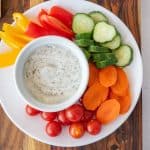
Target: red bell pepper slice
{"x":34,"y":30}
{"x":51,"y":22}
{"x":62,"y":14}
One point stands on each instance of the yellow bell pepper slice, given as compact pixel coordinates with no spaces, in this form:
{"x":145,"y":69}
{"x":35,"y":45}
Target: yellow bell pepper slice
{"x":14,"y":43}
{"x":21,"y":21}
{"x":8,"y":58}
{"x":13,"y":31}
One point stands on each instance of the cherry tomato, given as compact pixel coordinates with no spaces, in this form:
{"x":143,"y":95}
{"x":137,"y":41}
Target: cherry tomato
{"x":87,"y":116}
{"x":76,"y":130}
{"x":49,"y":116}
{"x":31,"y":111}
{"x":63,"y":119}
{"x":93,"y":127}
{"x":53,"y":128}
{"x":74,"y":113}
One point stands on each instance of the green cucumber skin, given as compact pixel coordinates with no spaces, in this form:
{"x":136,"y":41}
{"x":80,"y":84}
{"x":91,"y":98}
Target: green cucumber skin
{"x":108,"y":44}
{"x":130,"y":60}
{"x":83,"y":36}
{"x":98,"y":13}
{"x":85,"y":31}
{"x":84,"y":42}
{"x":98,"y":49}
{"x":86,"y":53}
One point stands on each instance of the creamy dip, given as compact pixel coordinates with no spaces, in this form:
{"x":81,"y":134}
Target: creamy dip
{"x":52,"y":74}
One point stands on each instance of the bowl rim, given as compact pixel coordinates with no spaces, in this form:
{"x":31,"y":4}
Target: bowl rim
{"x":19,"y":67}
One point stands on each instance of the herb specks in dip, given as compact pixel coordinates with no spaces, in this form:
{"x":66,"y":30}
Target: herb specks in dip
{"x":52,"y":74}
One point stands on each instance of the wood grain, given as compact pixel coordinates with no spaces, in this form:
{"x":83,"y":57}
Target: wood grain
{"x":127,"y":137}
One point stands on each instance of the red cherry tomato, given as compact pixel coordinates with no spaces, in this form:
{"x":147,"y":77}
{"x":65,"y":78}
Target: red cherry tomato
{"x":53,"y":128}
{"x":63,"y":119}
{"x":93,"y":127}
{"x":49,"y":116}
{"x":31,"y":111}
{"x":74,"y":113}
{"x":76,"y":130}
{"x":87,"y":116}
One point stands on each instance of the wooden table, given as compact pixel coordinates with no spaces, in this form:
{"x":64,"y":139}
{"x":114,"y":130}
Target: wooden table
{"x":127,"y":137}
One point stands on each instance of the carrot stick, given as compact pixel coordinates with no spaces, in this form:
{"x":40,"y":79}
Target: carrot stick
{"x":94,"y":96}
{"x":108,"y":111}
{"x":121,"y":84}
{"x":93,"y":74}
{"x":108,"y":76}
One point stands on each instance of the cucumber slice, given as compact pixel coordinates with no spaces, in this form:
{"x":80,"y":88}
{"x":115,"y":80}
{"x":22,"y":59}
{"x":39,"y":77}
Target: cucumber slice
{"x":86,"y":53}
{"x":104,"y":32}
{"x":124,"y":54}
{"x":98,"y":16}
{"x":82,"y":23}
{"x":83,"y":36}
{"x":98,"y":49}
{"x":115,"y":43}
{"x":102,"y":64}
{"x":84,"y":42}
{"x":107,"y":60}
{"x":104,"y":56}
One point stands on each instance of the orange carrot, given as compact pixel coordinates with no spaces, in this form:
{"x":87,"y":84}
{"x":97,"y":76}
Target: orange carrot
{"x":94,"y":96}
{"x":113,"y":96}
{"x":108,"y":111}
{"x":121,"y":84}
{"x":125,"y":102}
{"x":93,"y":77}
{"x":108,"y":76}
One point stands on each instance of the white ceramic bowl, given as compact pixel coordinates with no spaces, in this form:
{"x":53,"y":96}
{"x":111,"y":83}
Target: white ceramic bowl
{"x":19,"y":75}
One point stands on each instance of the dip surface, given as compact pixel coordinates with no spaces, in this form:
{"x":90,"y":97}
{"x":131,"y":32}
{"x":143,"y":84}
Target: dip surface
{"x":52,"y":74}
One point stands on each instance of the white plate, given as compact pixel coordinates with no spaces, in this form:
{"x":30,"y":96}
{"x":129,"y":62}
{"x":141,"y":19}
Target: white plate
{"x":34,"y":126}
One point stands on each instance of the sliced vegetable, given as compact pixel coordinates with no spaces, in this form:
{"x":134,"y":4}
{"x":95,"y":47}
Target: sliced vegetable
{"x":108,"y":111}
{"x":86,"y":53}
{"x":14,"y":43}
{"x":83,"y":36}
{"x":34,"y":30}
{"x":104,"y":59}
{"x":50,"y":22}
{"x":115,"y":43}
{"x":21,"y":21}
{"x":124,"y":54}
{"x":98,"y":49}
{"x":62,"y":14}
{"x":125,"y":102}
{"x":121,"y":84}
{"x":94,"y":96}
{"x":8,"y":58}
{"x":82,"y":23}
{"x":108,"y":76}
{"x":93,"y":74}
{"x":84,"y":42}
{"x":104,"y":32}
{"x":98,"y":16}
